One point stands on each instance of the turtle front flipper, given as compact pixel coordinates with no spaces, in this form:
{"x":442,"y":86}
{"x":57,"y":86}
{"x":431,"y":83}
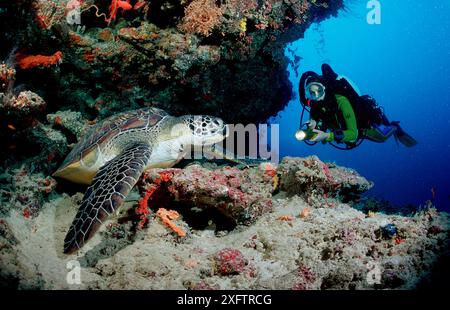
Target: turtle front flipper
{"x":110,"y":186}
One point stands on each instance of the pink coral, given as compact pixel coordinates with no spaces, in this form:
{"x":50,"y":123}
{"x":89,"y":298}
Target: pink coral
{"x":229,"y":261}
{"x":306,"y":274}
{"x":202,"y":285}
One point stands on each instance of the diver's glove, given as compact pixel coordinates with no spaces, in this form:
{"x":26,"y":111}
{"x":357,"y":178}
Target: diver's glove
{"x":311,"y":124}
{"x":320,"y":136}
{"x":306,"y":134}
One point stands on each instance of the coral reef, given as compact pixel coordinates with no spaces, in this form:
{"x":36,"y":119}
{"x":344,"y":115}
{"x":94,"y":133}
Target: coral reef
{"x":244,"y":195}
{"x":286,"y":234}
{"x":26,"y":62}
{"x":71,"y":123}
{"x":18,"y":110}
{"x":197,"y":56}
{"x":24,"y":192}
{"x":200,"y":17}
{"x":241,"y":195}
{"x":229,"y":261}
{"x":310,"y":176}
{"x":23,"y":133}
{"x":25,"y":104}
{"x":291,"y":226}
{"x":329,"y":248}
{"x":69,"y":63}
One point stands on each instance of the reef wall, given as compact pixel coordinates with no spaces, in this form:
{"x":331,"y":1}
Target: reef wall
{"x":69,"y":63}
{"x":223,"y":57}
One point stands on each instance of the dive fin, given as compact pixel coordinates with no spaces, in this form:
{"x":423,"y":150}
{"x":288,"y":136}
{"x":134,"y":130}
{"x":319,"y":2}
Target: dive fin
{"x":402,"y":137}
{"x":406,"y":139}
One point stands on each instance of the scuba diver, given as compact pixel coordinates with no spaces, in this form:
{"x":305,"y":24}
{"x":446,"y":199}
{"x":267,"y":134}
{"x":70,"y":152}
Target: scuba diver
{"x":339,"y":114}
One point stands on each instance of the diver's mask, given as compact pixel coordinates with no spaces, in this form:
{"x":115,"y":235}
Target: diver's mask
{"x":315,"y":91}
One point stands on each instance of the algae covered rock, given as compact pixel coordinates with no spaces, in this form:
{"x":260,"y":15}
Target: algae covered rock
{"x":69,"y":120}
{"x":303,"y":176}
{"x":241,"y":195}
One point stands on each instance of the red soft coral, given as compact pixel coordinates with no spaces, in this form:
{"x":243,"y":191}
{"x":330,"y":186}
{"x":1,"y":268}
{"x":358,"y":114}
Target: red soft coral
{"x":116,"y":5}
{"x":143,"y":208}
{"x":26,"y":62}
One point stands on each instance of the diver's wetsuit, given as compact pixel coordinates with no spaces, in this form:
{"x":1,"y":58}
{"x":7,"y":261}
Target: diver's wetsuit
{"x":379,"y":134}
{"x":344,"y":119}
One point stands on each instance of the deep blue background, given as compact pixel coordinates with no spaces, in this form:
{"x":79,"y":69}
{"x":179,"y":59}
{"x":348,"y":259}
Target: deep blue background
{"x":405,"y":64}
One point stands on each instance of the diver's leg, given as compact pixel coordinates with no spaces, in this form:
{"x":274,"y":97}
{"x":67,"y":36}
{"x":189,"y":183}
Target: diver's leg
{"x":380,"y":133}
{"x":384,"y":120}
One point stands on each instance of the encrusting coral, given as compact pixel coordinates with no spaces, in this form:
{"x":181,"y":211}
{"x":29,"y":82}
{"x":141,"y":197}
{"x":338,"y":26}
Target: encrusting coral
{"x":201,"y":16}
{"x":26,"y":103}
{"x":310,"y":176}
{"x":242,"y":195}
{"x":19,"y":109}
{"x":245,"y":195}
{"x":7,"y":75}
{"x":26,"y":62}
{"x":289,"y":244}
{"x":167,"y":216}
{"x":124,"y":54}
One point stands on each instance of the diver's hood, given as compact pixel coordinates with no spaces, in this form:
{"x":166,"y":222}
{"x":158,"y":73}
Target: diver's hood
{"x":306,"y":78}
{"x":312,"y":96}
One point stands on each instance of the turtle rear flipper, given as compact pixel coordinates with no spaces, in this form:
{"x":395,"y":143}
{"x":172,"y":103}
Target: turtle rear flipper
{"x":110,"y":186}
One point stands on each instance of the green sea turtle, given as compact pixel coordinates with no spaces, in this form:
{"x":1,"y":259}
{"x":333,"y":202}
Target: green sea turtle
{"x":113,"y":154}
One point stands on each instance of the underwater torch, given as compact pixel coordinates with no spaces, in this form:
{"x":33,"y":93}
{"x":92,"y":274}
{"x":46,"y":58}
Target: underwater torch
{"x":306,"y":134}
{"x":306,"y":131}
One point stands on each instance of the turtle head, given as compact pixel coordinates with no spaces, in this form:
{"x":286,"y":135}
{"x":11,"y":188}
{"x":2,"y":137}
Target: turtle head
{"x":199,"y":129}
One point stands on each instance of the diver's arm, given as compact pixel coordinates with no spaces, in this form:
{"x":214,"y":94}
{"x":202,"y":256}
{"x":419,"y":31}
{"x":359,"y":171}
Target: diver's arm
{"x":350,"y":133}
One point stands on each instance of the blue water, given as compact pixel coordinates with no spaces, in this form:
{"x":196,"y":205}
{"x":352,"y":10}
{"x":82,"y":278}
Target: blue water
{"x":405,"y":64}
